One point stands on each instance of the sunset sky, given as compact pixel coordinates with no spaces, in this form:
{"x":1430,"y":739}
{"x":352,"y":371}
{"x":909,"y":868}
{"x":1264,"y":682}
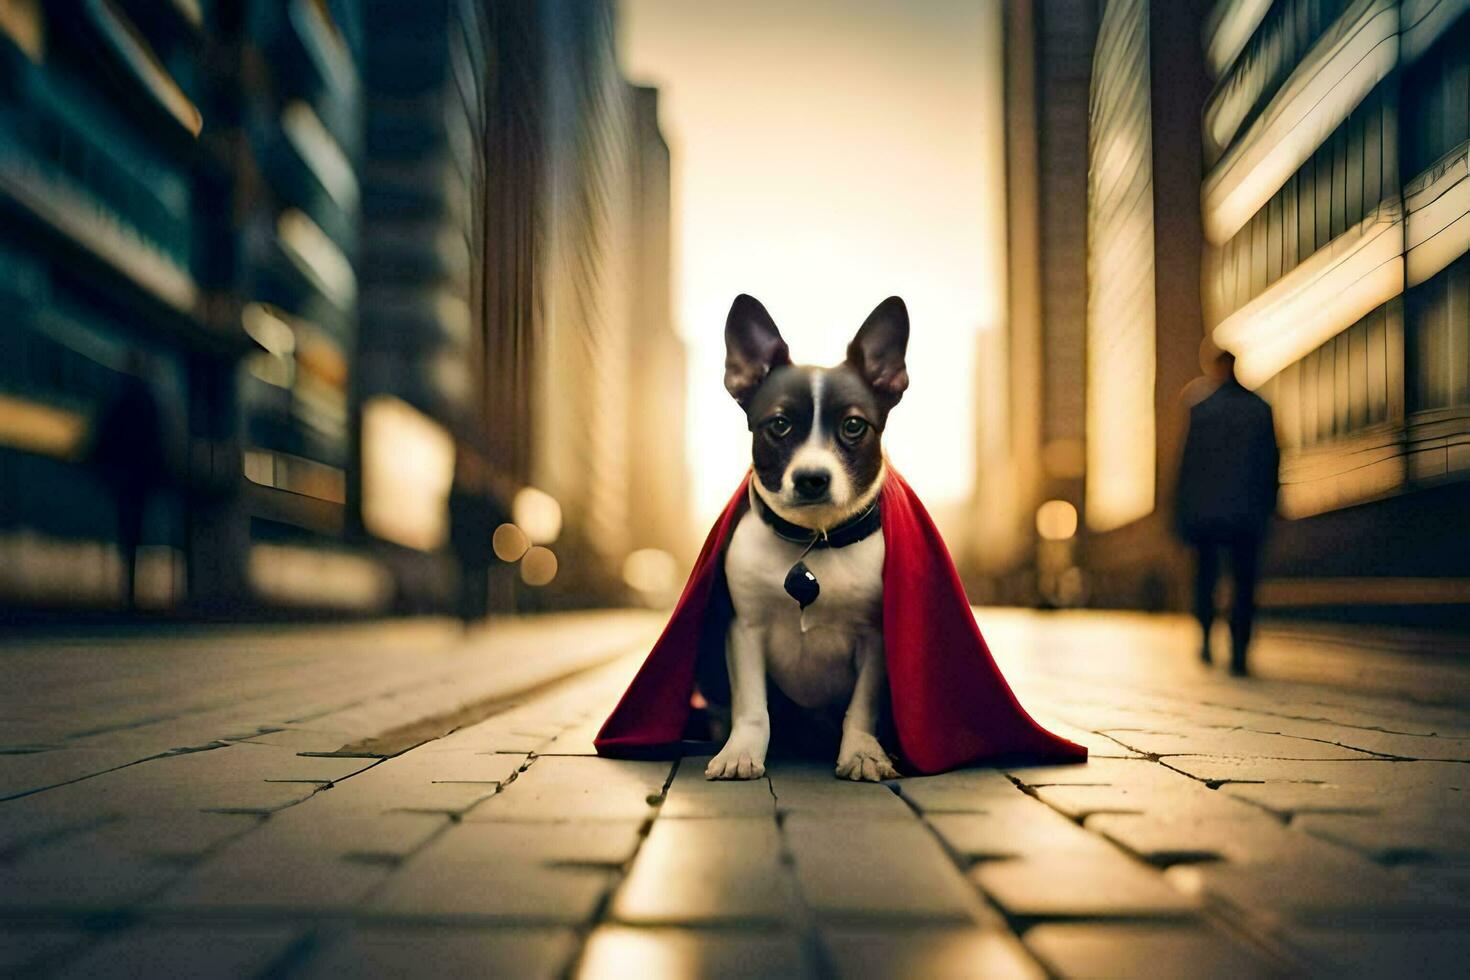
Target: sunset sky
{"x":828,"y":153}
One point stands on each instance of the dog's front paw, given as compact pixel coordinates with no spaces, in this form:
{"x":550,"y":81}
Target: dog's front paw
{"x":862,"y":759}
{"x":737,"y":761}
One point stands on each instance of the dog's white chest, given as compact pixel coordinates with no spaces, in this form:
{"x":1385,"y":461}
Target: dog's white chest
{"x":812,"y":665}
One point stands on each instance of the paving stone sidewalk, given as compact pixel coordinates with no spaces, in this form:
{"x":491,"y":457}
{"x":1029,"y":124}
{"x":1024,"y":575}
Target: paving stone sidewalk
{"x":1266,"y":827}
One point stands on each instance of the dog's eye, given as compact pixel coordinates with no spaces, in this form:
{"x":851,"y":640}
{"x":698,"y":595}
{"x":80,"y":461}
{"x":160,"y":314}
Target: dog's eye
{"x":780,"y":427}
{"x":854,"y":427}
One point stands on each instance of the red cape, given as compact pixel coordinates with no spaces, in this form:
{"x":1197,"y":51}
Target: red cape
{"x":951,"y":706}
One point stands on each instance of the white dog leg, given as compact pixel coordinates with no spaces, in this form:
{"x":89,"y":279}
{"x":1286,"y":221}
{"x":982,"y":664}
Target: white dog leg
{"x":744,"y":754}
{"x":860,"y":756}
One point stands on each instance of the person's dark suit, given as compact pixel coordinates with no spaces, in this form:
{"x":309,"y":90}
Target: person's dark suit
{"x":474,"y":514}
{"x":1228,"y":479}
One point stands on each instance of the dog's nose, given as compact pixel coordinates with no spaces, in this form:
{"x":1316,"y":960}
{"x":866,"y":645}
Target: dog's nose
{"x":811,"y":484}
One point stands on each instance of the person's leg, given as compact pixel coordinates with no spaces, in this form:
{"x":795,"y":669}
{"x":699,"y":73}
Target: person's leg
{"x":132,"y":504}
{"x":1207,"y":570}
{"x":474,"y":593}
{"x":1245,"y":554}
{"x":480,"y":597}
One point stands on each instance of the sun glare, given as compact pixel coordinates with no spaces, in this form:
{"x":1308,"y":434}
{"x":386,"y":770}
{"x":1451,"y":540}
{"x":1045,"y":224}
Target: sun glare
{"x":828,"y":154}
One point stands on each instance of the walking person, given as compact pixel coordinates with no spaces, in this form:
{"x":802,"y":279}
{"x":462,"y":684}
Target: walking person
{"x":1228,"y":479}
{"x":128,"y":454}
{"x":473,"y":517}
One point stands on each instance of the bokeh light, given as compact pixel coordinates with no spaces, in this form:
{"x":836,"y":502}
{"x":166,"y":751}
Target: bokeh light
{"x":651,"y":571}
{"x":1056,"y":520}
{"x":538,"y":514}
{"x":538,"y":567}
{"x":408,"y":466}
{"x":509,"y":543}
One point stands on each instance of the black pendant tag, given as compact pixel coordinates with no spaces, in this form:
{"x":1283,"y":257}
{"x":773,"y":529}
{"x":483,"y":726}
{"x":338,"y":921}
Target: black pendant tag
{"x":802,"y":585}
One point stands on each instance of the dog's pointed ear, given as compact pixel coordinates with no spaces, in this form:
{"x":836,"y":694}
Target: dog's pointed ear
{"x":753,"y":346}
{"x":877,"y":352}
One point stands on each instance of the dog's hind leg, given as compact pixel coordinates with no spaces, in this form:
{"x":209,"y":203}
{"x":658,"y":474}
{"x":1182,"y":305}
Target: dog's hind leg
{"x":718,"y":716}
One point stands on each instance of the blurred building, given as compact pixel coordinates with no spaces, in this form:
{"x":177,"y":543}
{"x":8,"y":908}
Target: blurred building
{"x":1144,"y":322}
{"x":423,"y":332}
{"x":1336,"y":209}
{"x":295,"y":132}
{"x":284,"y":276}
{"x":180,"y":192}
{"x":1032,"y":445}
{"x":589,"y":363}
{"x":659,"y":487}
{"x":1289,"y":179}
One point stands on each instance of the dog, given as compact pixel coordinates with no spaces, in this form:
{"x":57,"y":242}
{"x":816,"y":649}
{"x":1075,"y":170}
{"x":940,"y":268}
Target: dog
{"x":805,"y":563}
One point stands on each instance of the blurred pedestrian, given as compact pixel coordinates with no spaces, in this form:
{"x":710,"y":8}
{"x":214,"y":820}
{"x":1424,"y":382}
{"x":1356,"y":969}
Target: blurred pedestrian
{"x":473,"y":517}
{"x":1228,"y":479}
{"x":127,"y":451}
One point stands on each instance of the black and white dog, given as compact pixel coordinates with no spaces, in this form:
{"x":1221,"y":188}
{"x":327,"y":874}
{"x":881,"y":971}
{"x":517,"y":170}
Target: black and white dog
{"x":805,"y":564}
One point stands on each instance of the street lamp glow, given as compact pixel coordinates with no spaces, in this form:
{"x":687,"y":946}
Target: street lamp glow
{"x":1056,"y":520}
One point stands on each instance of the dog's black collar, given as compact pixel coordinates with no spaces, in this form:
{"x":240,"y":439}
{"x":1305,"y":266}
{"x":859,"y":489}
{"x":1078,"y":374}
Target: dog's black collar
{"x":848,"y":532}
{"x":801,"y":583}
